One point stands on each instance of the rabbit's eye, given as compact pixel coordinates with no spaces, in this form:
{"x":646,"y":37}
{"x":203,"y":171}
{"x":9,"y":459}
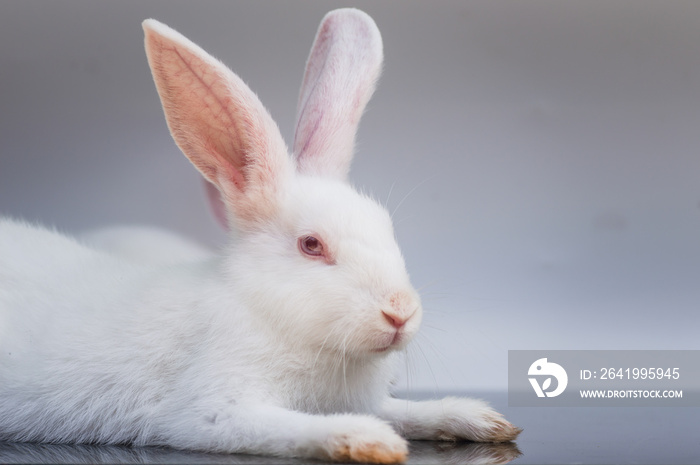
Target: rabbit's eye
{"x":311,"y":246}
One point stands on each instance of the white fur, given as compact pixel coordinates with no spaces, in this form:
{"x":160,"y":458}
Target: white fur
{"x":262,"y":349}
{"x":146,"y":244}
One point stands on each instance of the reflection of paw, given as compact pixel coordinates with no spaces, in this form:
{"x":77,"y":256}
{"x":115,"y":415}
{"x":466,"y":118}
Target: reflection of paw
{"x":473,"y":420}
{"x":367,"y":440}
{"x":473,"y":453}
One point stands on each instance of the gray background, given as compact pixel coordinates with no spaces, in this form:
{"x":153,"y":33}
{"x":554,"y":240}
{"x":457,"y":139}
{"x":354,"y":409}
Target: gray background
{"x":544,"y":155}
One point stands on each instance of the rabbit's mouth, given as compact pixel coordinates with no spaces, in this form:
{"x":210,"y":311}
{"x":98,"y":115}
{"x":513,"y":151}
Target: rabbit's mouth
{"x":397,"y":340}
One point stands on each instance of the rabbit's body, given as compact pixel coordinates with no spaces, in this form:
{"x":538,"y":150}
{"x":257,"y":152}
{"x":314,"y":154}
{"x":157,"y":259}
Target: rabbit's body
{"x":86,"y":355}
{"x":94,"y":366}
{"x":284,"y":344}
{"x":146,"y":244}
{"x":87,"y":333}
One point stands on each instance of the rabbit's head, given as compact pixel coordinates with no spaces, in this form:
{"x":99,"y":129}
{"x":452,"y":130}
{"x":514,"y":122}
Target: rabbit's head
{"x":315,"y":261}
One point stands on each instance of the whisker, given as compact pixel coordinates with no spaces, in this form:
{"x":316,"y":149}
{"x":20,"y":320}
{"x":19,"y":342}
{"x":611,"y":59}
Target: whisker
{"x":323,"y":345}
{"x":438,"y":312}
{"x":411,"y":369}
{"x":438,"y":357}
{"x":398,"y":222}
{"x":432,"y":283}
{"x":430,"y":368}
{"x":388,"y":196}
{"x":442,"y":330}
{"x":408,"y":194}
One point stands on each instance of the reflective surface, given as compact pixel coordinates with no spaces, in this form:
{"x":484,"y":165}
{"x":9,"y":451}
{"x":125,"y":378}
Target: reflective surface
{"x":551,"y":435}
{"x":421,"y":453}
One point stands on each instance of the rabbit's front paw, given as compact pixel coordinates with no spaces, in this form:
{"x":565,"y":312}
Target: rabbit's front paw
{"x":473,"y":420}
{"x":366,"y":440}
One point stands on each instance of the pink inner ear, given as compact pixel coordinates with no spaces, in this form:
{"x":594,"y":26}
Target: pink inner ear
{"x":219,"y":124}
{"x":309,"y":132}
{"x":217,"y":205}
{"x":341,"y":73}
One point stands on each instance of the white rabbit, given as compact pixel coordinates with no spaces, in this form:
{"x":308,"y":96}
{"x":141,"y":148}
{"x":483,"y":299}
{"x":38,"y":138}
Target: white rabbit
{"x":146,"y":244}
{"x":285,"y":345}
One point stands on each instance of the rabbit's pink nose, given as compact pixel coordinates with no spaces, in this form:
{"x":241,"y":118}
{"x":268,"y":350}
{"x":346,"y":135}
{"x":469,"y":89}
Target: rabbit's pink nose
{"x":395,"y":320}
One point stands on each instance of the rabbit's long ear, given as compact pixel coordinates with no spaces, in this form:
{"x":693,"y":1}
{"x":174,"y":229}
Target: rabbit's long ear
{"x":218,"y":123}
{"x":341,"y":74}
